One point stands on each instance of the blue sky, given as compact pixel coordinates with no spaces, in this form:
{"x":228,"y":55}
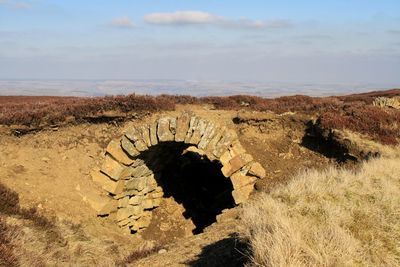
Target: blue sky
{"x":341,"y":41}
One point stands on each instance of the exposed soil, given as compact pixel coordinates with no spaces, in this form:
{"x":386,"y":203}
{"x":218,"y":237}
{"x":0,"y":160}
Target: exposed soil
{"x":50,"y":170}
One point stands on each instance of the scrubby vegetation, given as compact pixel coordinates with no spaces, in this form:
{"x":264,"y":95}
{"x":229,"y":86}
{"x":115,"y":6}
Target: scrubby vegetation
{"x":353,"y":112}
{"x":36,"y":111}
{"x":332,"y":218}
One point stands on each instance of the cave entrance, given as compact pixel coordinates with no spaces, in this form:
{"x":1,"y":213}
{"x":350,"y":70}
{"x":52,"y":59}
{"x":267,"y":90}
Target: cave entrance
{"x":192,"y":180}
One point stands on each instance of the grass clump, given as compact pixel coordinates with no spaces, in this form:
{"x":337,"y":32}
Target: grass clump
{"x":332,"y":218}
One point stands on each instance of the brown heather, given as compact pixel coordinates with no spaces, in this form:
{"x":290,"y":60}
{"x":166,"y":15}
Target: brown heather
{"x":352,"y":112}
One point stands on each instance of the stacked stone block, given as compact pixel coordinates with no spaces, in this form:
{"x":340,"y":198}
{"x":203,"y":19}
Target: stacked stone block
{"x":133,"y":189}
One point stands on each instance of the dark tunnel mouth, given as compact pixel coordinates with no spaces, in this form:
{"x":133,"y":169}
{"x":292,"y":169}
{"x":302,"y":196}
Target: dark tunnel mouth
{"x":192,"y":180}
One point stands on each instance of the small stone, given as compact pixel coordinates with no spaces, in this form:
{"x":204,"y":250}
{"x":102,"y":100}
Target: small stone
{"x":157,"y":194}
{"x":114,"y":187}
{"x":147,"y":204}
{"x":136,"y":183}
{"x":135,"y":200}
{"x":242,"y":194}
{"x":237,"y":149}
{"x":112,"y":168}
{"x":123,"y":202}
{"x":238,"y":180}
{"x":162,"y":251}
{"x":153,"y":134}
{"x":225,"y":158}
{"x":129,"y":211}
{"x":115,"y":150}
{"x":129,"y":147}
{"x":198,"y":132}
{"x":209,"y":133}
{"x":226,"y":140}
{"x":163,"y":130}
{"x":257,"y":170}
{"x":141,"y":171}
{"x":146,"y":135}
{"x":144,"y":221}
{"x":182,"y":126}
{"x":192,"y":126}
{"x":235,"y":164}
{"x":123,"y":222}
{"x":135,"y":134}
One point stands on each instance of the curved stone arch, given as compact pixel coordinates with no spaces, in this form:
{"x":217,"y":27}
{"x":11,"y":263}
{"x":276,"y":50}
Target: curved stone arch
{"x":133,"y":191}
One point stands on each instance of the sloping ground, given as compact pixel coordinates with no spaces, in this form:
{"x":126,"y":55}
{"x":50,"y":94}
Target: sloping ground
{"x":329,"y":218}
{"x":50,"y":171}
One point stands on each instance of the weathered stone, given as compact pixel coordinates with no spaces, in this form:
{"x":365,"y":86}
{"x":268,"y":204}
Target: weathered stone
{"x":126,"y":174}
{"x":115,"y":150}
{"x":135,"y":134}
{"x":136,"y":183}
{"x":129,"y":211}
{"x":256,"y":169}
{"x":158,"y":189}
{"x":225,"y":158}
{"x":151,"y":181}
{"x":129,"y":147}
{"x":157,"y":202}
{"x":215,"y":140}
{"x":182,"y":126}
{"x":123,"y":202}
{"x":135,"y":200}
{"x":163,"y":130}
{"x":112,"y":168}
{"x":144,"y":221}
{"x":111,"y":186}
{"x":101,"y":204}
{"x":242,"y":194}
{"x":141,"y":171}
{"x":127,"y":193}
{"x":172,"y":126}
{"x":236,"y":149}
{"x":209,"y":133}
{"x":123,"y":222}
{"x":238,"y":180}
{"x":227,"y":138}
{"x":146,"y":135}
{"x":156,"y":194}
{"x":147,"y":204}
{"x":153,"y":134}
{"x":198,"y":131}
{"x":235,"y":164}
{"x":192,"y":126}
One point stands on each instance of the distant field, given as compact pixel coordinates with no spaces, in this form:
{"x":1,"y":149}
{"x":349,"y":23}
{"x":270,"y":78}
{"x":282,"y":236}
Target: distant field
{"x":354,"y":112}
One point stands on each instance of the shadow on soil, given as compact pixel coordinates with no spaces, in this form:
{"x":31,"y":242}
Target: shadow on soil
{"x":327,"y":147}
{"x":230,"y":251}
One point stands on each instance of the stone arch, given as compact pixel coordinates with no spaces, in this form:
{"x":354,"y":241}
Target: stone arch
{"x":131,"y":184}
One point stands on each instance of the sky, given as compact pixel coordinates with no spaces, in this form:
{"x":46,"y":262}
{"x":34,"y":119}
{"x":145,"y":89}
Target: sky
{"x":307,"y":41}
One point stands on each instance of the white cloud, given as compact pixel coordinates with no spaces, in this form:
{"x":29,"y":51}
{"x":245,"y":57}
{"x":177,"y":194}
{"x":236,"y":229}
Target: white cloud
{"x":122,"y":22}
{"x":182,"y":18}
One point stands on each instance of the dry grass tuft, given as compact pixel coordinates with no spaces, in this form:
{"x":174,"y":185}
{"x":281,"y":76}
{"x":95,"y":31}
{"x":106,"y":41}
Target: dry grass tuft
{"x":332,"y":218}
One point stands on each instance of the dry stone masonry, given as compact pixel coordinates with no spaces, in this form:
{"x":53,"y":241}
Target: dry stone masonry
{"x":131,"y":185}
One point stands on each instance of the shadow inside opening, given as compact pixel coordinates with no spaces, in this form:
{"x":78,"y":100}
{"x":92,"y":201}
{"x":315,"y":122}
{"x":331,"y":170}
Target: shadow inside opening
{"x":192,"y":180}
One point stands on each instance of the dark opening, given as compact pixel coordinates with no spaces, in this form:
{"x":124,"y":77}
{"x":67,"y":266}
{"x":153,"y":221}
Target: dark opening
{"x":192,"y":180}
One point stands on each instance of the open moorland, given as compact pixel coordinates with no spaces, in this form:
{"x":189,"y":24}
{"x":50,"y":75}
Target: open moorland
{"x":300,"y":181}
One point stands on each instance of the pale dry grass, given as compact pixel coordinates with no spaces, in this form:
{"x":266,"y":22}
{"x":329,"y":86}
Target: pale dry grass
{"x":362,"y":142}
{"x":330,"y":218}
